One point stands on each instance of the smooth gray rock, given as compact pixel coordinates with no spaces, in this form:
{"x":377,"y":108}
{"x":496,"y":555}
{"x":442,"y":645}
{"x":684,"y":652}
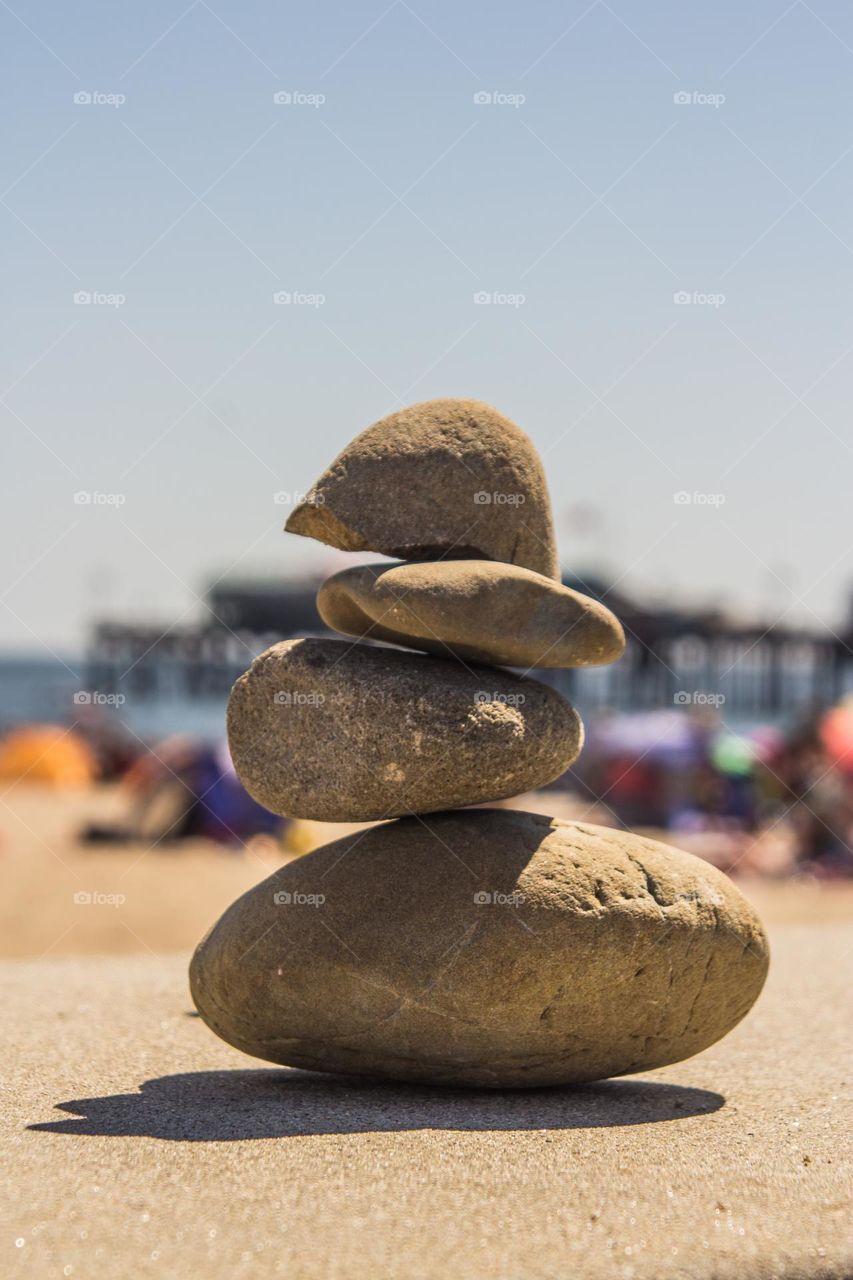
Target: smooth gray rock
{"x":346,"y":732}
{"x":448,"y":478}
{"x":474,"y":609}
{"x":487,"y":948}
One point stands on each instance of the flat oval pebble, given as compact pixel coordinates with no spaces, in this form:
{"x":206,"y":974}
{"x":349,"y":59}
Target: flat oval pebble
{"x":474,"y":609}
{"x":347,"y":732}
{"x":451,"y":477}
{"x":486,"y":948}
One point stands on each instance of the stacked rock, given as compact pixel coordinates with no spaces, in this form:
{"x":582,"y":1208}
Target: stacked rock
{"x":456,"y":946}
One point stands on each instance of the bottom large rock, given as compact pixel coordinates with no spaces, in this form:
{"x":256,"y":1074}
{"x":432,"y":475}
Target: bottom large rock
{"x":484,"y":947}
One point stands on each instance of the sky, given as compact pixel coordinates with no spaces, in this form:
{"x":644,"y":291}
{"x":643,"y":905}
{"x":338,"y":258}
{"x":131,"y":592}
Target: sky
{"x":626,"y":226}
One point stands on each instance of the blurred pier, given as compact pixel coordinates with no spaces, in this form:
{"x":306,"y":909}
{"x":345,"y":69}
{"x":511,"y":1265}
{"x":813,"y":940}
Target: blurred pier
{"x":673,"y":656}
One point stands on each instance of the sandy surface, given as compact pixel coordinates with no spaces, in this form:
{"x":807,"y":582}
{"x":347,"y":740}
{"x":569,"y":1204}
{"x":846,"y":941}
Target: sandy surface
{"x":137,"y":1145}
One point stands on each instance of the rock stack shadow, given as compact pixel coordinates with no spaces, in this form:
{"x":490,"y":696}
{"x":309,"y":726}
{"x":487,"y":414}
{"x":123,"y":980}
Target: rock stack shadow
{"x":449,"y":945}
{"x":234,"y":1106}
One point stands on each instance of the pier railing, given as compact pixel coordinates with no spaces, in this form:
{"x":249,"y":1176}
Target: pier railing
{"x":671,"y":658}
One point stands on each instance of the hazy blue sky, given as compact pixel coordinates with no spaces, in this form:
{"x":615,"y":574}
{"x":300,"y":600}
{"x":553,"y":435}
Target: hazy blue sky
{"x":597,"y":198}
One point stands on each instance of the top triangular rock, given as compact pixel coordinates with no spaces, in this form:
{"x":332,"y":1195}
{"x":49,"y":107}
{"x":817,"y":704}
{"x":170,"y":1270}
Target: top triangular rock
{"x":444,"y":478}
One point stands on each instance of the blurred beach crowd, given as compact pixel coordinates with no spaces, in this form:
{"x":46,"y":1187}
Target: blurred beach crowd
{"x":766,"y":801}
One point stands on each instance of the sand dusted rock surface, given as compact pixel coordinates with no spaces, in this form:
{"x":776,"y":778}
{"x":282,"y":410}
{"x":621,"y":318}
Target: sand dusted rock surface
{"x":477,"y":610}
{"x":337,"y":731}
{"x":488,"y":948}
{"x":446,"y":477}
